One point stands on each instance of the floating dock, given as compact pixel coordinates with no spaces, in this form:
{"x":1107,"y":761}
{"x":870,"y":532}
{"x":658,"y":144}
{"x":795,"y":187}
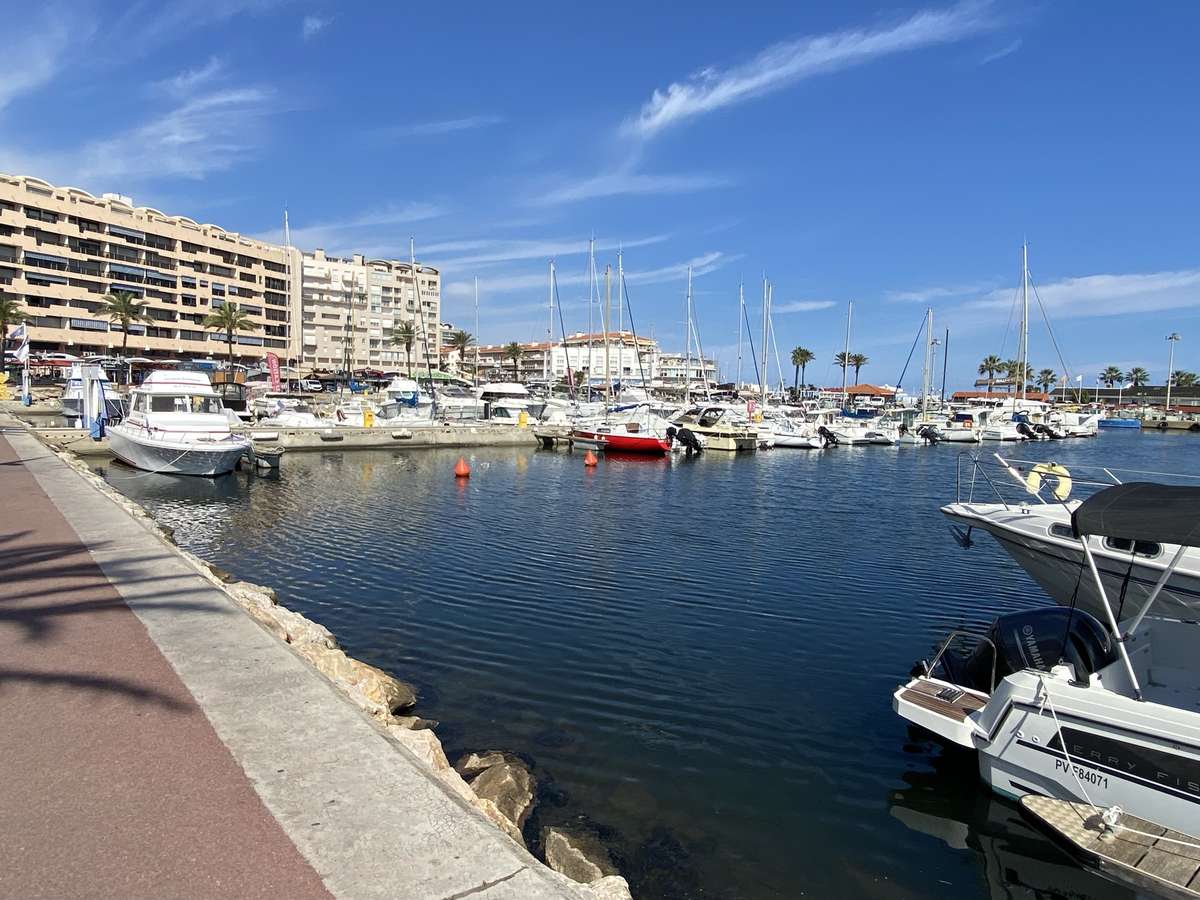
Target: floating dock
{"x":1137,"y":853}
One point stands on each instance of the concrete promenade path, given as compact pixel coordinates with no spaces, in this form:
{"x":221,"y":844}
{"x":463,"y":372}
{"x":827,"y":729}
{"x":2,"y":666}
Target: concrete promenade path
{"x":155,"y":742}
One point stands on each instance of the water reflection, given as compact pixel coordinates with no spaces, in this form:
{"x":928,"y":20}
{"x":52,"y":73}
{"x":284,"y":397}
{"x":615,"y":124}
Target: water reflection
{"x":696,"y":656}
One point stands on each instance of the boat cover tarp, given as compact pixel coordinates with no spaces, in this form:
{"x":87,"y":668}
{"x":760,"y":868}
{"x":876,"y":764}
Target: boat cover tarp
{"x":1166,"y":513}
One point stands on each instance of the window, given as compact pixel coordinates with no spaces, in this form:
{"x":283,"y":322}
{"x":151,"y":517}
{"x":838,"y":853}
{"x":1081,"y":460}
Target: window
{"x":1059,"y":530}
{"x":1140,"y":548}
{"x":189,"y":404}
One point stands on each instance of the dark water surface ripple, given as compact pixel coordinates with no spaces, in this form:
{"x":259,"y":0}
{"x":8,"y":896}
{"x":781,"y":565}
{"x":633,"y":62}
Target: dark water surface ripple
{"x":697,"y":656}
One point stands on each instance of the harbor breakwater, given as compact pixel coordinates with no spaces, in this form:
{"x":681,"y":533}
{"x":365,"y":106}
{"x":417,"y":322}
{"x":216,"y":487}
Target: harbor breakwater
{"x":498,"y":784}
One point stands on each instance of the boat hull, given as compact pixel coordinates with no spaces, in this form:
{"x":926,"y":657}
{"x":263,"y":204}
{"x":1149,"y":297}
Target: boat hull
{"x":1059,"y":568}
{"x":641,"y":444}
{"x":133,"y":447}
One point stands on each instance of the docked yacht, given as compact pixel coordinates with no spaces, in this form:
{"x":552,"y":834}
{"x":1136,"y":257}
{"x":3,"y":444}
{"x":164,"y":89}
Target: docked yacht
{"x":632,"y":430}
{"x":1103,"y":712}
{"x":409,"y":399}
{"x":960,"y":428}
{"x":1036,"y":532}
{"x":177,"y":425}
{"x":718,"y":427}
{"x":506,"y":400}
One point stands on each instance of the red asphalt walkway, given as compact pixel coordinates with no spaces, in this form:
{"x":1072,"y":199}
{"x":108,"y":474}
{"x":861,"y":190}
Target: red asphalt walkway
{"x":112,"y":781}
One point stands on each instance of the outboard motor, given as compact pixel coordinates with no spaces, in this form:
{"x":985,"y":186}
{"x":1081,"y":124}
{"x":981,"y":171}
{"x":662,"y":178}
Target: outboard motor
{"x":690,"y":442}
{"x":1037,"y":639}
{"x":1025,"y":431}
{"x":929,"y":433}
{"x":830,"y":437}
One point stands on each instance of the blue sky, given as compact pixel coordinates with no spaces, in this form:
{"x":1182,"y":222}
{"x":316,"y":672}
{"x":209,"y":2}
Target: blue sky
{"x":893,"y":156}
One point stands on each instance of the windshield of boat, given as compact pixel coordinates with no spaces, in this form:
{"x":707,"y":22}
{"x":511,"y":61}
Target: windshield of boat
{"x":179,"y":403}
{"x":453,"y":390}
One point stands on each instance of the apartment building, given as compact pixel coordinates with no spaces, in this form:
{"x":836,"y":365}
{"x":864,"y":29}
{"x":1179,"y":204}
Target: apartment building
{"x":674,"y":368}
{"x":62,"y":250}
{"x":349,"y":308}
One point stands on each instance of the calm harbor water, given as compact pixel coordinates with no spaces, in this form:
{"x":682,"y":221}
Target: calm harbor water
{"x":697,"y":656}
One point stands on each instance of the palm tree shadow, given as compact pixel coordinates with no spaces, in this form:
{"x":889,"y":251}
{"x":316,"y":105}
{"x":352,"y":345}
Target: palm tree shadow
{"x":123,"y":687}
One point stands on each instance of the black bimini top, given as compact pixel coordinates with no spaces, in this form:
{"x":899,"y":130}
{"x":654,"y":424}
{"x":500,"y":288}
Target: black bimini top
{"x":1166,"y":513}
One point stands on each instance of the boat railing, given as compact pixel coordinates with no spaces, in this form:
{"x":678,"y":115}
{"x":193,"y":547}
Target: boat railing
{"x":1089,"y":477}
{"x":977,"y":470}
{"x":965,"y":636}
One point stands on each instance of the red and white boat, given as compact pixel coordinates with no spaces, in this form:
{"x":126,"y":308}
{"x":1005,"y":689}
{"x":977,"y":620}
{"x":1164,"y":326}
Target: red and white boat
{"x":631,"y":432}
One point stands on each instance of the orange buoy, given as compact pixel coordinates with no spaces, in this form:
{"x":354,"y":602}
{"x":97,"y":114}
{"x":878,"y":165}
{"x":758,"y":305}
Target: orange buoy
{"x":461,"y":469}
{"x":589,"y":459}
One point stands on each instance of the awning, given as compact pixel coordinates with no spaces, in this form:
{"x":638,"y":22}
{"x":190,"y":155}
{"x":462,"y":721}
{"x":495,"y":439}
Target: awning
{"x":1142,"y":511}
{"x":46,"y":257}
{"x":126,"y":232}
{"x":127,"y":270}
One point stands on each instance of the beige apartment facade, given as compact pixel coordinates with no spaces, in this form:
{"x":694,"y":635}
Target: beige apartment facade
{"x":63,"y":249}
{"x":350,"y":307}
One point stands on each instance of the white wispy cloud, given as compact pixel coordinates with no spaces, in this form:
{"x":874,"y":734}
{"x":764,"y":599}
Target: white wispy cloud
{"x":442,"y":126}
{"x":620,"y":183}
{"x":788,"y":62}
{"x":211,"y":132}
{"x":360,"y":232}
{"x":491,"y":252}
{"x":1004,"y":51}
{"x":940,"y":292}
{"x":149,"y":23}
{"x":311,"y":26}
{"x":1105,"y":295}
{"x":35,"y":48}
{"x":800,"y":306}
{"x":187,"y":82}
{"x":537,"y":280}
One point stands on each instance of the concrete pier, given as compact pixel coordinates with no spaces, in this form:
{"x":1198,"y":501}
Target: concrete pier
{"x":157,"y":742}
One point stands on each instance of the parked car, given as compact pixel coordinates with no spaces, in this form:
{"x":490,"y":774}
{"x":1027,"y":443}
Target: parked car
{"x":311,"y":385}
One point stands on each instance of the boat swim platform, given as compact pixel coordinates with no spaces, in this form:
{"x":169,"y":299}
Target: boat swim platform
{"x":158,"y":742}
{"x":552,"y":436}
{"x":1156,"y":865}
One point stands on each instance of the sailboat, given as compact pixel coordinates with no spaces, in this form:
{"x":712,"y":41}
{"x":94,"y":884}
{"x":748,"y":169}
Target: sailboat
{"x":631,"y":430}
{"x":924,"y":431}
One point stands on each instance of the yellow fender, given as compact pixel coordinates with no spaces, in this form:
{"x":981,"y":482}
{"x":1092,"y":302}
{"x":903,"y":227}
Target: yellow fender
{"x":1062,"y":476}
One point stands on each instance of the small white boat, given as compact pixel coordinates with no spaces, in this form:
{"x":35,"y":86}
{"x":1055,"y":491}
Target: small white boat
{"x":176,"y":425}
{"x":72,"y":395}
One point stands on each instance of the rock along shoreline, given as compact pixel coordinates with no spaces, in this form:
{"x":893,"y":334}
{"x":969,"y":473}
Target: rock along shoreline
{"x":497,"y":784}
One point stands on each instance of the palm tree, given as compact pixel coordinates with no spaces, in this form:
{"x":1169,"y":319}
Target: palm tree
{"x":842,"y":361}
{"x":1046,"y":379}
{"x":1184,"y":379}
{"x":10,"y":314}
{"x":858,"y":360}
{"x":230,"y":319}
{"x":461,"y":341}
{"x":1111,"y":376}
{"x":403,"y":335}
{"x":989,"y":367}
{"x":800,"y":359}
{"x":1012,"y":369}
{"x":124,"y":308}
{"x":1137,"y":376}
{"x":514,"y":352}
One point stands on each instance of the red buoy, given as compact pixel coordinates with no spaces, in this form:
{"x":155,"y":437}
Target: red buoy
{"x":461,"y":469}
{"x":590,"y":459}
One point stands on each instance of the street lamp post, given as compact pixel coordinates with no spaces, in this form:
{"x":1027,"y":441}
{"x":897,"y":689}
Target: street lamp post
{"x":1172,"y":338}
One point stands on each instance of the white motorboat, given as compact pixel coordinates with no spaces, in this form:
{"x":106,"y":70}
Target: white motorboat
{"x":960,"y":428}
{"x":718,"y":428}
{"x":798,"y":434}
{"x":1101,"y":712}
{"x":506,"y":400}
{"x":177,"y":425}
{"x":1036,"y":532}
{"x":454,"y":401}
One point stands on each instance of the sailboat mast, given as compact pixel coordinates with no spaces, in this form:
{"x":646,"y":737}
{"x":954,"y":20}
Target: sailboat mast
{"x":762,"y":376}
{"x":687,"y":324}
{"x":928,"y":364}
{"x":1024,"y":361}
{"x":591,"y":295}
{"x":475,"y":373}
{"x":550,"y":329}
{"x":846,"y":353}
{"x":741,"y":308}
{"x":945,"y":363}
{"x":621,"y":312}
{"x":607,"y":316}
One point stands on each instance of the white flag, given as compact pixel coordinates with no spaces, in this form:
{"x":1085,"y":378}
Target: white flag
{"x":23,"y":352}
{"x":19,"y":333}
